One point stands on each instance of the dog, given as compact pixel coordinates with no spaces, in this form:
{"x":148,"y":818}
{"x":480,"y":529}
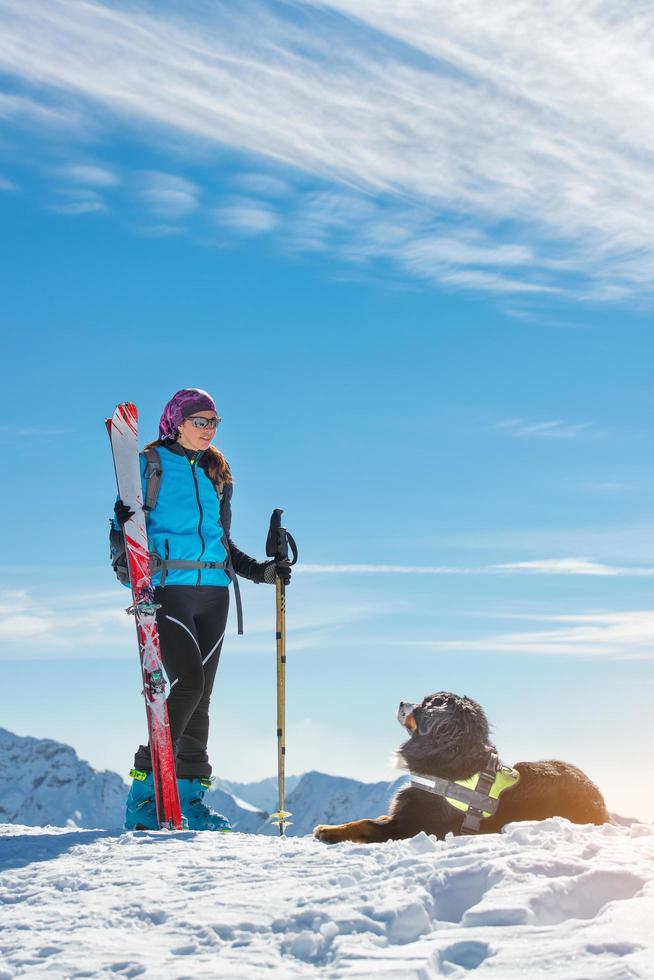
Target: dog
{"x":449,"y":741}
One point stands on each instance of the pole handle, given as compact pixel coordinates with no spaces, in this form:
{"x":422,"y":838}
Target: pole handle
{"x":279,"y":540}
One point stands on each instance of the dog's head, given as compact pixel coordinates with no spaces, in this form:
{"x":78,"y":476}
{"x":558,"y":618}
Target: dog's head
{"x":449,"y":736}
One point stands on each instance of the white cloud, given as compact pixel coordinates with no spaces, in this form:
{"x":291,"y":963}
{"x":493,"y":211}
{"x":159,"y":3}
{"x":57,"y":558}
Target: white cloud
{"x":536,"y":140}
{"x":551,"y":428}
{"x":88,"y":624}
{"x":370,"y":569}
{"x":79,"y":207}
{"x":90,"y":174}
{"x":247,"y":216}
{"x":7,"y":185}
{"x":21,"y":626}
{"x":167,"y":195}
{"x":78,"y":200}
{"x":20,"y":108}
{"x":544,"y":566}
{"x":62,"y":624}
{"x":615,"y":636}
{"x":265,"y":185}
{"x":565,"y":566}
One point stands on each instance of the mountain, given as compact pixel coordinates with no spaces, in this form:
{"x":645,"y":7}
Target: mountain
{"x":320,"y":798}
{"x":243,"y":816}
{"x":262,"y":794}
{"x":45,"y":782}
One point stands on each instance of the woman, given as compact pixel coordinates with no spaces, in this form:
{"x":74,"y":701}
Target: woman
{"x":193,"y":561}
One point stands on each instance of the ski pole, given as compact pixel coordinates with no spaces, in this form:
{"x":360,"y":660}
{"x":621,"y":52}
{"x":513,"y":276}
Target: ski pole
{"x":277,"y":545}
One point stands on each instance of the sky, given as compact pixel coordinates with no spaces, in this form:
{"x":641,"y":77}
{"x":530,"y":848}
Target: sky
{"x":409,"y":250}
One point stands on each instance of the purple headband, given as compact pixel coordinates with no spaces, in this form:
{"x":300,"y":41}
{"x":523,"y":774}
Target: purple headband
{"x":183,"y":403}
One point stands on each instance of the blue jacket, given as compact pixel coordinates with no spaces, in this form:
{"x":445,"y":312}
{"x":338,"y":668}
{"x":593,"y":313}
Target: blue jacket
{"x":190,"y":523}
{"x":186,"y":521}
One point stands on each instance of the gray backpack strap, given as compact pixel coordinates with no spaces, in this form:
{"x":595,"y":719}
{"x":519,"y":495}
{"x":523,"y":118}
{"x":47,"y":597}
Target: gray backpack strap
{"x":153,"y":474}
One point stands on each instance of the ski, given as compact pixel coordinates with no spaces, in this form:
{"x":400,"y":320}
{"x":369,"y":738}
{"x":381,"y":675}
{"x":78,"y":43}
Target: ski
{"x":123,"y":434}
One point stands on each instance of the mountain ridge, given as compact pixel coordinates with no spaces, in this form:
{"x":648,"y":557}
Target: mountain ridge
{"x":44,"y":782}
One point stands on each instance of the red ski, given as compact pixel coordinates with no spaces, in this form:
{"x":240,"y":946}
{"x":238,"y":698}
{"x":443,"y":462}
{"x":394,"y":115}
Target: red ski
{"x":123,"y":433}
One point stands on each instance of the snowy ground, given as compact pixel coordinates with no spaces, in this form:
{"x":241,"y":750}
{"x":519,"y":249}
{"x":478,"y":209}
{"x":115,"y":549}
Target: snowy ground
{"x":541,"y":899}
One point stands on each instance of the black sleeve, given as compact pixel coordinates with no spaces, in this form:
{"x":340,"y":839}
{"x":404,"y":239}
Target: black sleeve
{"x":243,"y":565}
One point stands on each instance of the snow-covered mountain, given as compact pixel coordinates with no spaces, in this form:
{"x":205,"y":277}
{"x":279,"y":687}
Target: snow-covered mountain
{"x":243,"y":816}
{"x":262,"y":794}
{"x":319,"y":798}
{"x":45,"y":782}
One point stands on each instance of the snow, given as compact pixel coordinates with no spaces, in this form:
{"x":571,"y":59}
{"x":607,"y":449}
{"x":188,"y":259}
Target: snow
{"x":542,"y":899}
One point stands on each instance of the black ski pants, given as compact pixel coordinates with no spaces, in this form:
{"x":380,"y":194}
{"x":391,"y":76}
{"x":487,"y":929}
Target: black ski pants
{"x":191,"y":621}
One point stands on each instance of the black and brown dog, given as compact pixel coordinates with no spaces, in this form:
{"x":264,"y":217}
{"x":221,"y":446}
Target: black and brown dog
{"x":449,"y":739}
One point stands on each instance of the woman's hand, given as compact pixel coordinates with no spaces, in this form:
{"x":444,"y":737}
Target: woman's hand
{"x":272,"y":569}
{"x":122,"y":512}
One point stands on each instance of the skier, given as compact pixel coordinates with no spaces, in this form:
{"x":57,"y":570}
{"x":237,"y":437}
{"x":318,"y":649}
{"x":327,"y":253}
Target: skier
{"x":193,"y":560}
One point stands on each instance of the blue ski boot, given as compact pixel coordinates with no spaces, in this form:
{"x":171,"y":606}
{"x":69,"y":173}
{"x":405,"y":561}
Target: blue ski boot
{"x":141,"y":810}
{"x":196,"y":811}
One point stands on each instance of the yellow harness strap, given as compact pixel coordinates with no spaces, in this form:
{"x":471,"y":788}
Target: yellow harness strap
{"x":505,"y":778}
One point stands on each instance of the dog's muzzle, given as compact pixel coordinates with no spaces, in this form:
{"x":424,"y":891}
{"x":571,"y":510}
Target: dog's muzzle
{"x":405,"y":715}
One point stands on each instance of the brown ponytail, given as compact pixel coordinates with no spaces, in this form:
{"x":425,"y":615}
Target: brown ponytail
{"x":216,"y":466}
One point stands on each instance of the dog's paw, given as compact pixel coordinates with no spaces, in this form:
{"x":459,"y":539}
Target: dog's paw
{"x":325,"y":833}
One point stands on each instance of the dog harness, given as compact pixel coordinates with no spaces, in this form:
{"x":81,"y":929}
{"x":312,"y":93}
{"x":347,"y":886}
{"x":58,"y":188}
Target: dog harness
{"x":478,"y":795}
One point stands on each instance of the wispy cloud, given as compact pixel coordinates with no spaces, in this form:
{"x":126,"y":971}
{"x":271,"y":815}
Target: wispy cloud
{"x":86,"y":206}
{"x":246,"y":216}
{"x":549,"y":429}
{"x":7,"y":185}
{"x":513,"y":161}
{"x":93,"y":623}
{"x":91,"y":174}
{"x":263,"y":185}
{"x":545,"y":566}
{"x":611,"y":635}
{"x":370,"y":569}
{"x":167,"y":195}
{"x":569,"y":566}
{"x":23,"y":109}
{"x":61,"y":624}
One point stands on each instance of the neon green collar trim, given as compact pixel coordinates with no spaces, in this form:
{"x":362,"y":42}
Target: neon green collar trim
{"x":475,"y":796}
{"x":505,"y":778}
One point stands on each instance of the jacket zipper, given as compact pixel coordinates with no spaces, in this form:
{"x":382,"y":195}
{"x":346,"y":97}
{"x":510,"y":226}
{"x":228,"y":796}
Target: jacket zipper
{"x":193,"y":464}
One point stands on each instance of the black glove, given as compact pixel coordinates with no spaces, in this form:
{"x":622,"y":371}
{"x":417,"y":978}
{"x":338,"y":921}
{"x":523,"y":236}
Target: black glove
{"x":122,"y":512}
{"x":271,"y":569}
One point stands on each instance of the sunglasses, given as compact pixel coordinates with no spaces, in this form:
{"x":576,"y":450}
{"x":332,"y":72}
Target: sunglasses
{"x":201,"y":423}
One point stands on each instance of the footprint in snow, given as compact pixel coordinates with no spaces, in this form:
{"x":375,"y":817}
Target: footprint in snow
{"x":467,"y":954}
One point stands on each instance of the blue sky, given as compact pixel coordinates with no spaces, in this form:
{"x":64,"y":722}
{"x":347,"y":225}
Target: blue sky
{"x":414,"y":268}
